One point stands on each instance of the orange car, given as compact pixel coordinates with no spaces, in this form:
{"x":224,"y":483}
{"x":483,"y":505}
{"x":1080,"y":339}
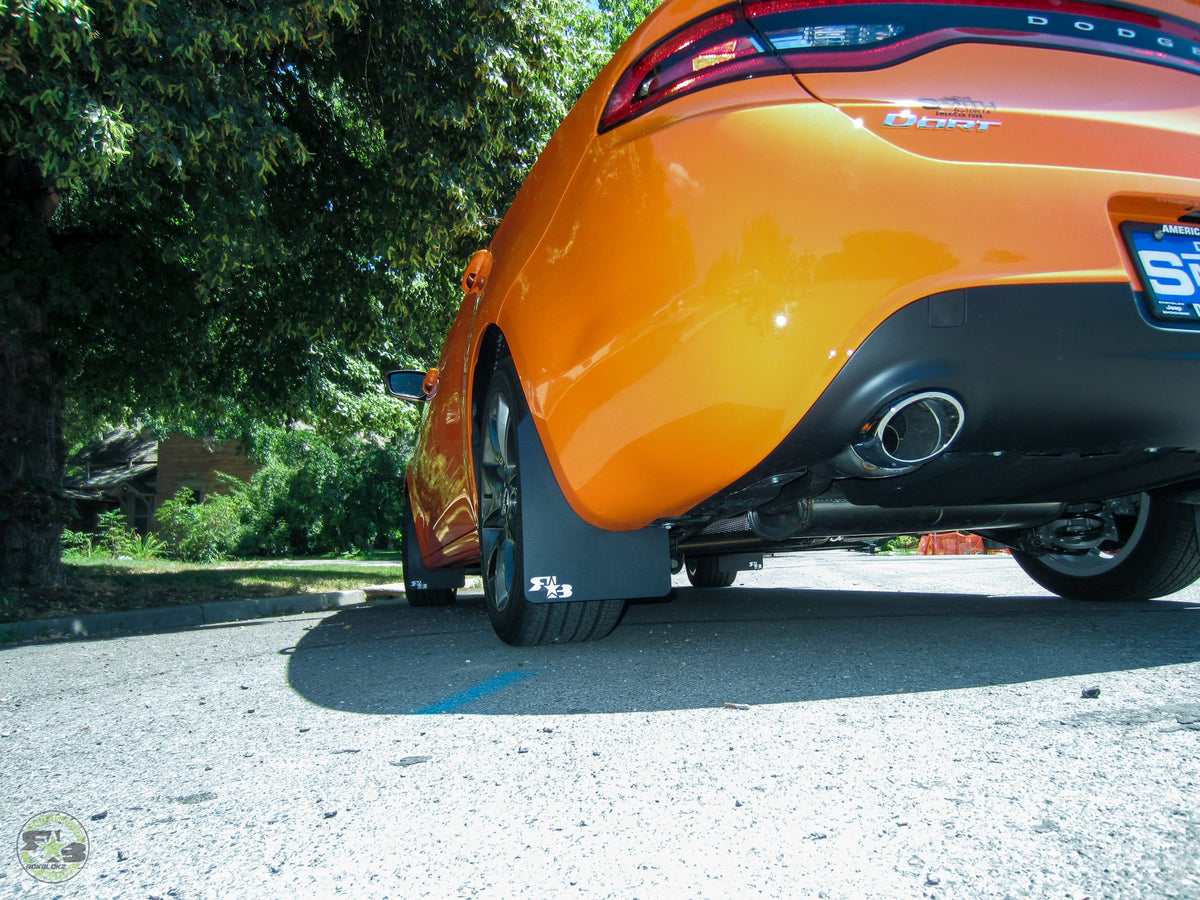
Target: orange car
{"x":795,"y":275}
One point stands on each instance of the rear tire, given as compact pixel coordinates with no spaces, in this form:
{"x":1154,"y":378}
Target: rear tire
{"x":703,"y":572}
{"x":1157,"y":554}
{"x":517,"y":620}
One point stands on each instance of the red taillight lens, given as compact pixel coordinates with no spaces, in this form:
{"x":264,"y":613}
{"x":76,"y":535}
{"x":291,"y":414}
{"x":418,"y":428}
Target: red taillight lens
{"x":767,"y":37}
{"x":723,"y":47}
{"x":920,"y":27}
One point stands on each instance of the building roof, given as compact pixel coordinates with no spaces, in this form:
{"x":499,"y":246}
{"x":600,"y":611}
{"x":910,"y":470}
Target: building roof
{"x":121,"y":461}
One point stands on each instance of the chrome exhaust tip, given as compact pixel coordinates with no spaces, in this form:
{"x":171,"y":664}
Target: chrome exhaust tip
{"x":908,"y":434}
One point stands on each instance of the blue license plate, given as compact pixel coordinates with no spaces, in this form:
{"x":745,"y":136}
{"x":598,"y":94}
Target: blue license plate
{"x":1168,"y":259}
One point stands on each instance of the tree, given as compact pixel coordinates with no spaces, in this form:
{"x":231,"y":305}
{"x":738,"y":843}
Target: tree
{"x":216,"y":209}
{"x":620,"y":17}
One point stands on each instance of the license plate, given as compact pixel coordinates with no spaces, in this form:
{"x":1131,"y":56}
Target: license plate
{"x":1168,"y":259}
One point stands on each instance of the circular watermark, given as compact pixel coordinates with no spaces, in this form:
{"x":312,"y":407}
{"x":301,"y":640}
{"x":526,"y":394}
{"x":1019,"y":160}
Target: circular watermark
{"x":52,"y":847}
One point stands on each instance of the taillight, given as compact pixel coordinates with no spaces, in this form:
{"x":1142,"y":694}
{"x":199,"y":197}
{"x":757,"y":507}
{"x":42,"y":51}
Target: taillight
{"x":771,"y":37}
{"x":723,"y":47}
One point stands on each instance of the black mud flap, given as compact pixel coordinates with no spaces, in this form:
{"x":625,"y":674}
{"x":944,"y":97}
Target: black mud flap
{"x":566,"y":558}
{"x":740,"y":562}
{"x":418,"y":577}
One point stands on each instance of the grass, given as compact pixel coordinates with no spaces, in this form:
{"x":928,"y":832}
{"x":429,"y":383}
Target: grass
{"x":109,"y":585}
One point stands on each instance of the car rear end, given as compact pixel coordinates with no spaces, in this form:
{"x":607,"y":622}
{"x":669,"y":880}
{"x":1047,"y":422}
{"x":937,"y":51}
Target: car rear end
{"x":812,"y":212}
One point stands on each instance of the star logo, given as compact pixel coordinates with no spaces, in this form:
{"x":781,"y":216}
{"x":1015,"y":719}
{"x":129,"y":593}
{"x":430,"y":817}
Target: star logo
{"x":52,"y":847}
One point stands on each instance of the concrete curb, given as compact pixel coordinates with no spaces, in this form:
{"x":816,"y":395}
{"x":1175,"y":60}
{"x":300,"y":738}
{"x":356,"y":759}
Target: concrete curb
{"x":170,"y":618}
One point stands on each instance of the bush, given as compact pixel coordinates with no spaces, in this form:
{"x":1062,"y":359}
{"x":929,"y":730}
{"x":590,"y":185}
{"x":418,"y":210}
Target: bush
{"x":78,"y":543}
{"x":317,"y":495}
{"x":202,"y":532}
{"x":904,"y":542}
{"x":114,"y":538}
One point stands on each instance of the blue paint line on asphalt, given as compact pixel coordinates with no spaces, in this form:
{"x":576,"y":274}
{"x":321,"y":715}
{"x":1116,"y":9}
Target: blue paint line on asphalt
{"x":464,"y":698}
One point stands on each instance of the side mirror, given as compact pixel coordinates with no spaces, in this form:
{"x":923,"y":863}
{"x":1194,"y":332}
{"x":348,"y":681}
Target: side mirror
{"x":412,"y":384}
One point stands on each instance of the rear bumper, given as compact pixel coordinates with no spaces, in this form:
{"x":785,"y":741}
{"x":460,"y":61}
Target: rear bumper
{"x":1070,"y":393}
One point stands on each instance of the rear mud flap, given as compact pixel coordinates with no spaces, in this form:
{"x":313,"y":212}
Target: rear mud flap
{"x":566,"y":558}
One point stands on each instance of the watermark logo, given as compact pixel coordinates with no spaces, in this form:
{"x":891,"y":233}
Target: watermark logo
{"x":52,"y":847}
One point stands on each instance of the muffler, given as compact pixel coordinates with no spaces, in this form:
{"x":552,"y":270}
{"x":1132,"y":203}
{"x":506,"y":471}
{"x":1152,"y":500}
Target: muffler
{"x":908,"y":434}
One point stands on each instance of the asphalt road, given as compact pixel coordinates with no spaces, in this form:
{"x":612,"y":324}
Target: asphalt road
{"x":914,"y":728}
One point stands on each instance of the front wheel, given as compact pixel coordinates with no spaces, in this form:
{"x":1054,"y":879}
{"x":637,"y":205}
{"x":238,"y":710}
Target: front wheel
{"x":1154,"y":552}
{"x":516,"y":619}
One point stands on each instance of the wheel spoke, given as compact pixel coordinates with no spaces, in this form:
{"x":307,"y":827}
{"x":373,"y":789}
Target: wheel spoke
{"x":494,"y":566}
{"x":499,"y":508}
{"x":499,"y":422}
{"x":1128,"y":517}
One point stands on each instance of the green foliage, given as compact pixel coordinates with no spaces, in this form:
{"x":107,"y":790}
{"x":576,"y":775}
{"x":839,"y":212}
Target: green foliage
{"x":201,"y":532}
{"x":620,"y":17}
{"x":115,"y":536}
{"x":239,"y":211}
{"x":92,"y":86}
{"x":78,"y":544}
{"x":320,"y":495}
{"x":146,"y":546}
{"x":261,"y":202}
{"x":114,"y":539}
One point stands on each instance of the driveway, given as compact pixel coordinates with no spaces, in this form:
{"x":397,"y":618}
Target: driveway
{"x":838,"y":726}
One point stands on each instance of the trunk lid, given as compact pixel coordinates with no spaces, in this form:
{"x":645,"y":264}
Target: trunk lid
{"x":1023,"y":82}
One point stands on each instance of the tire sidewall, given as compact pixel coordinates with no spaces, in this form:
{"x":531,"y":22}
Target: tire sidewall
{"x":507,"y":622}
{"x":1165,"y":559}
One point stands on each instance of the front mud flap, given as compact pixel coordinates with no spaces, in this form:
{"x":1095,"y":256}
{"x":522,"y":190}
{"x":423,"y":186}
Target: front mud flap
{"x":418,"y":577}
{"x":566,"y":558}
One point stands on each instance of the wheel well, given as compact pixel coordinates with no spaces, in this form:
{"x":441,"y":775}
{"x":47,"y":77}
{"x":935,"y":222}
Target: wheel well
{"x":491,"y":348}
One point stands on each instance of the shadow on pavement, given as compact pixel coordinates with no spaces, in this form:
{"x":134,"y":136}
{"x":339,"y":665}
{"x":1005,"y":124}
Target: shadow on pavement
{"x":744,"y":645}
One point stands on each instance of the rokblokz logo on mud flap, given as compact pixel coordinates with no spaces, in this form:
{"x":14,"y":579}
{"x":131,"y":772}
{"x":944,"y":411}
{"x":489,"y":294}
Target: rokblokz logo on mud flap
{"x":52,"y":847}
{"x":549,"y":584}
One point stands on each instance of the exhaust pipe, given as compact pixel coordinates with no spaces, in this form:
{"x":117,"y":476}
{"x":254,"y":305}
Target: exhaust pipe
{"x":833,"y":516}
{"x":908,"y":434}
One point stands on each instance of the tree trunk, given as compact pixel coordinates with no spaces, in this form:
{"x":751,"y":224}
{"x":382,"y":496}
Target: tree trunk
{"x":32,"y":505}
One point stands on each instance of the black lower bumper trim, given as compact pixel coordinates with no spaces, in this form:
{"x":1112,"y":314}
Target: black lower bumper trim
{"x":1069,"y":391}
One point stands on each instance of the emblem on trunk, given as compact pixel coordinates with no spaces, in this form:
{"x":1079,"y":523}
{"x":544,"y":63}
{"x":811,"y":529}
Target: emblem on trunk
{"x":908,"y":119}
